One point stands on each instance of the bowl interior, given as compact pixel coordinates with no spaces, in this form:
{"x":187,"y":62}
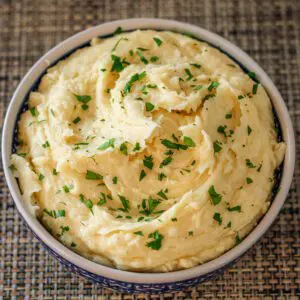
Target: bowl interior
{"x":31,"y":80}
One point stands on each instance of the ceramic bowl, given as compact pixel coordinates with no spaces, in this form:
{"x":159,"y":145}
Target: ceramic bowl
{"x":132,"y":282}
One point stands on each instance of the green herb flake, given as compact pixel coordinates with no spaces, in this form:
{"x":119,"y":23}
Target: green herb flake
{"x":117,"y":43}
{"x":126,"y":204}
{"x":154,"y":58}
{"x":217,"y":146}
{"x":41,"y":177}
{"x":241,"y":97}
{"x":249,"y":164}
{"x":156,"y":243}
{"x":228,"y":116}
{"x":142,"y":175}
{"x":231,"y":65}
{"x":249,"y":180}
{"x":63,"y":230}
{"x":217,"y":217}
{"x":149,"y":106}
{"x":132,"y":80}
{"x":198,"y":87}
{"x":118,"y":31}
{"x":149,"y":205}
{"x":161,"y":176}
{"x":73,"y":245}
{"x":208,"y":97}
{"x":148,"y":162}
{"x":123,"y":148}
{"x":162,"y":194}
{"x":107,"y":144}
{"x":102,"y":200}
{"x":21,"y":154}
{"x":171,"y":145}
{"x":142,"y":57}
{"x":222,"y":129}
{"x":252,"y":75}
{"x":55,"y":213}
{"x":238,"y":240}
{"x":90,"y":175}
{"x":157,"y":41}
{"x":254,"y":88}
{"x":189,"y":74}
{"x":191,"y":233}
{"x":249,"y":130}
{"x":235,"y":208}
{"x":46,"y":145}
{"x":54,"y":172}
{"x":215,"y":197}
{"x":33,"y":111}
{"x":174,"y":219}
{"x":188,"y":141}
{"x":228,"y":225}
{"x":196,"y":66}
{"x":213,"y":85}
{"x":115,"y":180}
{"x":76,"y":120}
{"x":12,"y":167}
{"x":83,"y":98}
{"x":87,"y":202}
{"x":139,"y":233}
{"x":118,"y":64}
{"x":137,"y":147}
{"x":166,"y":162}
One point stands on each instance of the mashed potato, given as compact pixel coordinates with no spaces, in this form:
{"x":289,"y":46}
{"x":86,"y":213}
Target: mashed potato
{"x":148,"y":151}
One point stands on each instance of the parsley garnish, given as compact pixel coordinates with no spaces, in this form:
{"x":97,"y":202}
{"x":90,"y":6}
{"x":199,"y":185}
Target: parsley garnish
{"x":166,"y":161}
{"x":41,"y":177}
{"x":254,"y":88}
{"x":157,"y":239}
{"x":33,"y":111}
{"x":217,"y":146}
{"x":238,"y":240}
{"x":221,"y":129}
{"x":73,"y":245}
{"x":189,"y":74}
{"x":107,"y":144}
{"x":21,"y":154}
{"x":139,"y":233}
{"x":118,"y":31}
{"x":231,"y":65}
{"x":208,"y":97}
{"x":154,"y":58}
{"x":102,"y":200}
{"x":174,"y":219}
{"x":115,"y":180}
{"x":90,"y":175}
{"x":249,"y":130}
{"x":149,"y":106}
{"x":161,"y":176}
{"x":13,"y":168}
{"x":125,"y":203}
{"x":162,"y":194}
{"x":83,"y":99}
{"x":137,"y":147}
{"x":54,"y":172}
{"x":132,"y":80}
{"x":76,"y":120}
{"x":249,"y":180}
{"x":252,"y":75}
{"x":117,"y":43}
{"x":63,"y":230}
{"x":148,"y":162}
{"x":142,"y":175}
{"x":118,"y":65}
{"x":228,"y":116}
{"x":218,"y":218}
{"x":67,"y":188}
{"x":188,"y":141}
{"x":215,"y":197}
{"x":149,"y":205}
{"x":213,"y":85}
{"x":171,"y":145}
{"x":46,"y":145}
{"x":228,"y":225}
{"x":142,"y":57}
{"x":235,"y":208}
{"x":55,"y":213}
{"x":249,"y":164}
{"x":196,"y":66}
{"x":88,"y":203}
{"x":157,"y":41}
{"x":191,"y":233}
{"x":198,"y":87}
{"x":123,"y":148}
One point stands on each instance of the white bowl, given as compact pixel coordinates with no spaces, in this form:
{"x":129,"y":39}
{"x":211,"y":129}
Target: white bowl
{"x":132,"y":281}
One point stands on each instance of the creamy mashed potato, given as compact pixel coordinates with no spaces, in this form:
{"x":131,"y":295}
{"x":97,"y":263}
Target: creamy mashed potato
{"x":148,"y":151}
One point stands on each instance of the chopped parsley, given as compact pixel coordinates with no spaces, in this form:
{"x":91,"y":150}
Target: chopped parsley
{"x":208,"y":97}
{"x":213,"y":85}
{"x":63,"y":230}
{"x":254,"y":88}
{"x":241,"y":97}
{"x":155,"y":244}
{"x":73,"y":245}
{"x":132,"y":80}
{"x":142,"y":175}
{"x":161,"y":176}
{"x":162,"y":194}
{"x":102,"y":200}
{"x":252,"y":75}
{"x":249,"y":164}
{"x":118,"y":31}
{"x":189,"y":74}
{"x":149,"y":205}
{"x":166,"y":161}
{"x":139,"y":233}
{"x":231,"y":65}
{"x":137,"y":147}
{"x":90,"y":175}
{"x":228,"y":116}
{"x":107,"y":144}
{"x":198,"y":87}
{"x":217,"y":217}
{"x":115,"y":180}
{"x":142,"y":57}
{"x":123,"y":148}
{"x":157,"y":41}
{"x":67,"y":188}
{"x":215,"y":197}
{"x":217,"y":146}
{"x":235,"y":208}
{"x":222,"y":129}
{"x":83,"y":99}
{"x":54,"y":172}
{"x":259,"y":168}
{"x":188,"y":141}
{"x":33,"y":111}
{"x":87,"y":202}
{"x":171,"y":145}
{"x":126,"y":204}
{"x":41,"y":177}
{"x":238,"y":240}
{"x":13,"y":168}
{"x":149,"y":106}
{"x":117,"y":43}
{"x":228,"y":225}
{"x":55,"y":213}
{"x":21,"y":154}
{"x":174,"y":219}
{"x":196,"y":66}
{"x":148,"y":162}
{"x":118,"y":64}
{"x":191,"y":233}
{"x":46,"y":145}
{"x":249,"y":130}
{"x":76,"y":120}
{"x":154,"y":58}
{"x":249,"y":180}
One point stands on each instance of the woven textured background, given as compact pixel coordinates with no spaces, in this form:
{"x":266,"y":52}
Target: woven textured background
{"x":269,"y":30}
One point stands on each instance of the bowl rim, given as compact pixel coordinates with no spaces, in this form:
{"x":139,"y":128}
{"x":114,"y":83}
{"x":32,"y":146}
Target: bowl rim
{"x":81,"y":38}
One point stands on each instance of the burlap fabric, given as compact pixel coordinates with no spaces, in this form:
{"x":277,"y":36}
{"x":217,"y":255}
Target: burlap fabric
{"x":268,"y":30}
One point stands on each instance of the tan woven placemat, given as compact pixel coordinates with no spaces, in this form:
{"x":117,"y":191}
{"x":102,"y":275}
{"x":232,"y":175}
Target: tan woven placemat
{"x":269,"y":30}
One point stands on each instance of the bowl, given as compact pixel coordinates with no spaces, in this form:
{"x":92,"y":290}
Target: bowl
{"x":133,"y":282}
